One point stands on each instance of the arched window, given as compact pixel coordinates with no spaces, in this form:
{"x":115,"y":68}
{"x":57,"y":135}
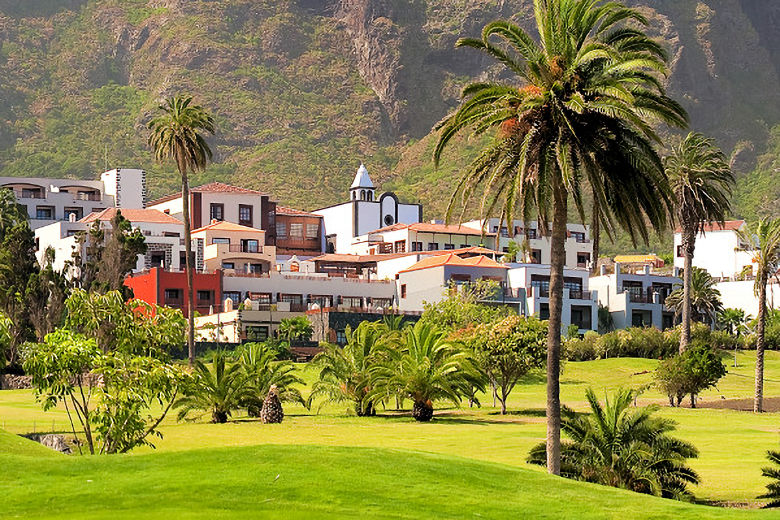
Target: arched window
{"x":362,"y":194}
{"x":354,"y":195}
{"x":370,"y":195}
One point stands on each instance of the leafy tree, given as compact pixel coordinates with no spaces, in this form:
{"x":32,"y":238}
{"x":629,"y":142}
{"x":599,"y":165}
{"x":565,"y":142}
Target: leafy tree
{"x":47,"y":291}
{"x":508,"y":350}
{"x":295,"y":329}
{"x":772,"y":472}
{"x":462,"y":309}
{"x":219,"y":389}
{"x":178,"y":135}
{"x":345,"y":372}
{"x":579,"y":113}
{"x":703,"y":299}
{"x":428,"y":368}
{"x":763,"y":242}
{"x":690,"y":372}
{"x":6,"y":327}
{"x":262,"y":370}
{"x":702,"y":182}
{"x":615,"y":445}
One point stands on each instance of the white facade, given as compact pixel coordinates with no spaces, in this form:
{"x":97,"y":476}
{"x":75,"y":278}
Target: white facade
{"x":51,"y":200}
{"x":636,"y":299}
{"x":422,"y":236}
{"x":579,"y":248}
{"x":718,"y":250}
{"x":741,"y":295}
{"x":365,"y":212}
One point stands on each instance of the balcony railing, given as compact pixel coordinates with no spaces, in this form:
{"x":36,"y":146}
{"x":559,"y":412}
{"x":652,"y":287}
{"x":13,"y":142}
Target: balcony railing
{"x":244,"y":248}
{"x":635,"y":297}
{"x":579,"y":294}
{"x":88,"y":196}
{"x":173,"y":301}
{"x":25,"y":194}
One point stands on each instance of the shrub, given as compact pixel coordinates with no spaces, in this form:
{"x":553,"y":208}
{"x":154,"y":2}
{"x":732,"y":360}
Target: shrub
{"x":696,"y":369}
{"x":583,"y":349}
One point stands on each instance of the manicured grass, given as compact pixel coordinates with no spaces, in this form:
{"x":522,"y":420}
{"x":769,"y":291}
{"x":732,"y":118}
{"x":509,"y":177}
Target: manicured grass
{"x":732,"y":444}
{"x":312,"y":482}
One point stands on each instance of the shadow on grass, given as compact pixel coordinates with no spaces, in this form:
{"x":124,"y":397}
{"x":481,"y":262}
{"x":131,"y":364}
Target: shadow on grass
{"x":528,"y":412}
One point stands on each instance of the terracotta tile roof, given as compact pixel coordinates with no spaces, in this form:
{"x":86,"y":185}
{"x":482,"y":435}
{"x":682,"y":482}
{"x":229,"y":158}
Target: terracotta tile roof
{"x":483,"y":261}
{"x":342,"y":258}
{"x":284,"y":210}
{"x":426,"y":227}
{"x":152,"y":216}
{"x":223,"y":225}
{"x":729,"y":225}
{"x":637,"y":259}
{"x":212,"y":187}
{"x":453,"y":259}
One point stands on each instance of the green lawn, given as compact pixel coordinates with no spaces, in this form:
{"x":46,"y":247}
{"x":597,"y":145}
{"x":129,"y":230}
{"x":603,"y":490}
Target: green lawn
{"x":732,"y":444}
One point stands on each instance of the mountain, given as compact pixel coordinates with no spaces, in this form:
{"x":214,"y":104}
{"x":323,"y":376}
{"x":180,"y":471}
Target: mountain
{"x":304,"y":90}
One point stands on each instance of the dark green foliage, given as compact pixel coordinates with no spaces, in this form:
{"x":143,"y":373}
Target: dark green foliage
{"x":295,"y":329}
{"x":218,"y":389}
{"x":462,"y":308}
{"x":696,"y":369}
{"x":263,"y":371}
{"x":705,"y":298}
{"x":620,"y":446}
{"x":772,"y":472}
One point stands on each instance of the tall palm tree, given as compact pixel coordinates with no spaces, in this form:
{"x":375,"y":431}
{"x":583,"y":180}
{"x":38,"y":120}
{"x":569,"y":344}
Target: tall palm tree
{"x":178,"y":134}
{"x":579,"y":113}
{"x":622,"y":446}
{"x":702,"y":182}
{"x":429,"y":368}
{"x":763,"y":242}
{"x":701,"y":298}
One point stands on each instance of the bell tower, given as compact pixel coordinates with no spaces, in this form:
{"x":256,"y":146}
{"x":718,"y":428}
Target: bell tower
{"x":362,"y":188}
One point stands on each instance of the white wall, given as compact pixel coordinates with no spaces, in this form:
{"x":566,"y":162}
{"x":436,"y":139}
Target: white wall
{"x":338,"y":220}
{"x":127,"y":186}
{"x":740,"y":295}
{"x":717,"y":252}
{"x":311,"y":283}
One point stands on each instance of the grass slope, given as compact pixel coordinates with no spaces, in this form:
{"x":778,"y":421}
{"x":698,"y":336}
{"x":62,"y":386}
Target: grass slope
{"x":309,"y":482}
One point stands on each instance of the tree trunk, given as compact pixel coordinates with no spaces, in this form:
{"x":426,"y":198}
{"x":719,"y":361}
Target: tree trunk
{"x":688,"y":245}
{"x":422,"y":411}
{"x":595,"y":236}
{"x":758,"y":403}
{"x":185,"y":195}
{"x":557,"y":260}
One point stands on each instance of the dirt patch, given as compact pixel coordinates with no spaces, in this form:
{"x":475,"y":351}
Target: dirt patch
{"x":771,"y":404}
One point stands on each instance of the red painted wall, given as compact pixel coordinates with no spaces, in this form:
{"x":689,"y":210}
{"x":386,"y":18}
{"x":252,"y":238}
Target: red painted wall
{"x":150,"y":286}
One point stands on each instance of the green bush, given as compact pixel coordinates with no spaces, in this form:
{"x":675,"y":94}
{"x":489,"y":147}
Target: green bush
{"x":583,"y":349}
{"x":696,"y":369}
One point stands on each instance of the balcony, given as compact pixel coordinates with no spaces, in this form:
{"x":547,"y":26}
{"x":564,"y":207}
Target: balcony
{"x":579,"y":294}
{"x":95,"y":197}
{"x":28,"y":194}
{"x":635,"y":297}
{"x":245,"y":248}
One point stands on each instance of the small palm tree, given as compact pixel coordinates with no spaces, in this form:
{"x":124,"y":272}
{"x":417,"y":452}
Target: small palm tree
{"x":427,"y":369}
{"x":733,"y":320}
{"x":621,"y":446}
{"x":702,"y":182}
{"x":295,"y":329}
{"x":578,"y":116}
{"x":773,"y":472}
{"x":220,"y":389}
{"x":262,"y":371}
{"x":345,"y":372}
{"x":702,"y":297}
{"x":177,"y":135}
{"x":763,"y":242}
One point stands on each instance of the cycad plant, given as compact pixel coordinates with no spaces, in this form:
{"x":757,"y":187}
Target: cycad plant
{"x":763,"y":242}
{"x":295,"y":329}
{"x":701,"y":298}
{"x":621,"y":446}
{"x":772,"y":472}
{"x":262,"y":371}
{"x":576,"y":117}
{"x":702,"y":182}
{"x":345,"y":372}
{"x":428,"y":368}
{"x":178,"y":135}
{"x":219,"y":389}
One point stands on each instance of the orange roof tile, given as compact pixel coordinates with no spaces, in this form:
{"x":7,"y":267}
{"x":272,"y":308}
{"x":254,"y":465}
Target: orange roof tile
{"x":729,"y":225}
{"x":284,"y":210}
{"x":427,"y":227}
{"x":223,"y":225}
{"x":152,"y":216}
{"x":453,"y":259}
{"x":212,"y":187}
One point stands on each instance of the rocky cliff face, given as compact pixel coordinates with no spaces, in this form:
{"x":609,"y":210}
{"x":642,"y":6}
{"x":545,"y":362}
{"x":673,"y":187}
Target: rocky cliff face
{"x":303,"y":89}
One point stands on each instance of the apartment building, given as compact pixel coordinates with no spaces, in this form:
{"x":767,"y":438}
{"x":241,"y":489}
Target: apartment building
{"x":159,"y":286}
{"x":421,"y":237}
{"x":61,"y":200}
{"x":636,"y":297}
{"x":718,"y":250}
{"x":234,"y":248}
{"x":364,"y":212}
{"x":535,"y":245}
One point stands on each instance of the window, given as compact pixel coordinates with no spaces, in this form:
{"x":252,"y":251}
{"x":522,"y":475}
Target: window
{"x":464,"y":246}
{"x":157,"y":260}
{"x":312,"y":231}
{"x":76,"y":212}
{"x":504,"y":232}
{"x":341,"y":337}
{"x":530,"y":234}
{"x":217,"y":240}
{"x":233,"y":295}
{"x":578,"y":236}
{"x":352,"y":301}
{"x":245,"y":215}
{"x":228,"y":265}
{"x":583,"y":259}
{"x":449,"y":246}
{"x":172,"y":295}
{"x":495,"y":229}
{"x":389,"y":220}
{"x":680,"y":251}
{"x":667,"y":320}
{"x":417,"y":246}
{"x":171,"y":234}
{"x":399,"y":246}
{"x":403,"y":290}
{"x":296,"y":230}
{"x":504,"y":249}
{"x":281,"y":230}
{"x":250,"y":246}
{"x":205,"y":296}
{"x":292,"y":298}
{"x":518,"y":230}
{"x":536,"y":256}
{"x":44,"y":213}
{"x":255,"y":268}
{"x":256,"y":333}
{"x":217,"y":211}
{"x":544,"y":311}
{"x":433,"y":246}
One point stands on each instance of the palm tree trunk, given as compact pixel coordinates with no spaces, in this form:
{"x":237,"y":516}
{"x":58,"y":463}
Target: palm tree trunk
{"x":758,"y":402}
{"x":595,"y":235}
{"x":557,"y":259}
{"x":185,"y":196}
{"x":688,"y":245}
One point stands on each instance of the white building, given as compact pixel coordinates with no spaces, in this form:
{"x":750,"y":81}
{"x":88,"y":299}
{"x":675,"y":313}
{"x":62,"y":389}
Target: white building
{"x":162,"y":234}
{"x":636,"y":299}
{"x":421,"y":236}
{"x":718,"y":250}
{"x":740,"y":295}
{"x":365,"y":212}
{"x":52,"y":200}
{"x":579,"y":248}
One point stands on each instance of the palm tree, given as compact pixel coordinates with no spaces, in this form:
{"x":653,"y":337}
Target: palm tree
{"x":733,"y":321}
{"x":579,"y":113}
{"x":773,"y":488}
{"x":429,"y":368}
{"x":625,"y":447}
{"x":763,"y":242}
{"x":220,"y":389}
{"x":295,"y":329}
{"x":702,"y":182}
{"x":702,"y":297}
{"x":345,"y":372}
{"x":262,"y":371}
{"x":177,"y":135}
